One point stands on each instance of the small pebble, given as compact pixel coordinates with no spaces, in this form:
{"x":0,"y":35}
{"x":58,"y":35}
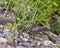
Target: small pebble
{"x":38,"y":43}
{"x":45,"y":37}
{"x":26,"y":35}
{"x":25,"y":39}
{"x":3,"y":40}
{"x":10,"y":46}
{"x":47,"y":42}
{"x":6,"y":29}
{"x":20,"y":47}
{"x":2,"y":35}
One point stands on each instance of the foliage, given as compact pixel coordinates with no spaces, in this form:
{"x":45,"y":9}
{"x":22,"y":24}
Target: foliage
{"x":33,"y":11}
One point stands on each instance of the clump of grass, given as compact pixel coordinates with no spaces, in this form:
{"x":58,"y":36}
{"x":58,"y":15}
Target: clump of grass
{"x":33,"y":11}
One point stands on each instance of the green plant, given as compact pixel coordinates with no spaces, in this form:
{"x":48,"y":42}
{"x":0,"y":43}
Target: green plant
{"x":32,"y":11}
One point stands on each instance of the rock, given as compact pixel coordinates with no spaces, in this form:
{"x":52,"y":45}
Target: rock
{"x":51,"y":36}
{"x":6,"y":29}
{"x":2,"y":35}
{"x":38,"y":43}
{"x":36,"y":37}
{"x":16,"y":34}
{"x":58,"y":40}
{"x":1,"y":26}
{"x":3,"y":40}
{"x":51,"y":46}
{"x":32,"y":42}
{"x":10,"y":46}
{"x":45,"y":37}
{"x":2,"y":46}
{"x":47,"y":42}
{"x":6,"y":32}
{"x":1,"y":31}
{"x":59,"y":35}
{"x":25,"y":35}
{"x":3,"y":9}
{"x":24,"y":39}
{"x":19,"y":40}
{"x":20,"y":47}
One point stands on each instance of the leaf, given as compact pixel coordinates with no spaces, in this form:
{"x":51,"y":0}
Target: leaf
{"x":8,"y":24}
{"x":14,"y":24}
{"x":18,"y":19}
{"x":55,"y":4}
{"x":10,"y":5}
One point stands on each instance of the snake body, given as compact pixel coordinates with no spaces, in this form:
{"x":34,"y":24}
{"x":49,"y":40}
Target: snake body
{"x":4,"y":21}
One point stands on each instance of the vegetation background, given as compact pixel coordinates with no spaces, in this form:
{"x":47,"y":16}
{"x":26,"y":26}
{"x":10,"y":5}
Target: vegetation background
{"x":33,"y":11}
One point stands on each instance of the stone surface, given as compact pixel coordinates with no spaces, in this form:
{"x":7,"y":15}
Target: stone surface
{"x":9,"y":46}
{"x":47,"y":42}
{"x":20,"y":47}
{"x":45,"y":37}
{"x":3,"y":40}
{"x":25,"y":35}
{"x":2,"y":35}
